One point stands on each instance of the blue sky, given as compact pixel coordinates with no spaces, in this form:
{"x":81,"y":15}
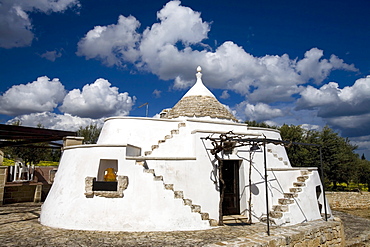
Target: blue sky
{"x":68,"y":63}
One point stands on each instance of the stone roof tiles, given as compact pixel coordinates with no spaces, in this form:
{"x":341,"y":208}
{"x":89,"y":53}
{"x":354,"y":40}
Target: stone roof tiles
{"x":199,"y":102}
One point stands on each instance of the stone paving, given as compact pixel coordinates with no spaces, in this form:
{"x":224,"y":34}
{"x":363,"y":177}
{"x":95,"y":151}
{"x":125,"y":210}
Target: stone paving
{"x":19,"y":226}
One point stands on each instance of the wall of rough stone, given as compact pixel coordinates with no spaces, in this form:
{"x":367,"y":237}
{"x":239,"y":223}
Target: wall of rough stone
{"x":310,"y":234}
{"x":22,"y":193}
{"x":348,"y":199}
{"x":3,"y":170}
{"x":30,"y":191}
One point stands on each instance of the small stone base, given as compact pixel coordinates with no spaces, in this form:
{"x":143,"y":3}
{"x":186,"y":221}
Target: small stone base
{"x":90,"y":193}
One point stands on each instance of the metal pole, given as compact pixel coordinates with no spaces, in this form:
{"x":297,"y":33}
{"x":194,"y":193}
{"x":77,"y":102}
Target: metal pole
{"x":250,"y":186}
{"x":267,"y":196}
{"x":323,"y":184}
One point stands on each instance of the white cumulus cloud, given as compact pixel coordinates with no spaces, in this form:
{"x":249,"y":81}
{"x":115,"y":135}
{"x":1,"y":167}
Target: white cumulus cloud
{"x":345,"y":108}
{"x":313,"y":67}
{"x":225,"y":95}
{"x":15,"y":24}
{"x":50,"y":120}
{"x":112,"y":44}
{"x":334,"y":101}
{"x":259,"y":112}
{"x":38,"y":96}
{"x":97,"y":100}
{"x":51,"y":55}
{"x":157,"y":93}
{"x":172,"y":48}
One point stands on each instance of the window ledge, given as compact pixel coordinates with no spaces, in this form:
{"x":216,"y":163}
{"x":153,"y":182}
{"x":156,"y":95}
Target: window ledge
{"x":121,"y":186}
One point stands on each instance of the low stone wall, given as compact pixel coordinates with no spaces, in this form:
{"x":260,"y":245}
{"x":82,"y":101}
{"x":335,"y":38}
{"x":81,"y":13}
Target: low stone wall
{"x":348,"y":199}
{"x":310,"y":234}
{"x":3,"y":170}
{"x":22,"y":192}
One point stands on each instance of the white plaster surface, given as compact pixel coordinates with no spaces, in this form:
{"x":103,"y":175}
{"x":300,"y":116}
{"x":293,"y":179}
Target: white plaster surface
{"x":183,"y":160}
{"x":154,"y":153}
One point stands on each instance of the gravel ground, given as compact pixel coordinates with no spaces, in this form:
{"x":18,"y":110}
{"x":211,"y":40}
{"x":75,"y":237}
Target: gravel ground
{"x":19,"y":226}
{"x":356,"y":229}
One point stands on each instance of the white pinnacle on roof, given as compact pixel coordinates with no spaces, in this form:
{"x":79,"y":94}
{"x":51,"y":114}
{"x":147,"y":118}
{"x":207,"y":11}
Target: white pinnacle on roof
{"x":199,"y":88}
{"x":199,"y":102}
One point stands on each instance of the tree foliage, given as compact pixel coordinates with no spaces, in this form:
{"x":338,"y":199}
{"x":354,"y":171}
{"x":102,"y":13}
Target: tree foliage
{"x":90,"y":133}
{"x":340,"y":163}
{"x":34,"y":154}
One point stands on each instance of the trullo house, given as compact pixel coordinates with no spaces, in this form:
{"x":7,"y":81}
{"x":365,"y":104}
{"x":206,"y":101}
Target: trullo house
{"x":165,"y":177}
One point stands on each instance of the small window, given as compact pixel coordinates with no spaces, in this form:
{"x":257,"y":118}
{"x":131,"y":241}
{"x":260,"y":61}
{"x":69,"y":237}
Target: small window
{"x":107,"y":183}
{"x":104,"y":165}
{"x":52,"y":174}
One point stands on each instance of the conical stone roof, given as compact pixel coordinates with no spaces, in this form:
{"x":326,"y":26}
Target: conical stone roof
{"x":199,"y":102}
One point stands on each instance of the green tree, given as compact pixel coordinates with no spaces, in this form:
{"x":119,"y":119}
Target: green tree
{"x":300,"y":155}
{"x":254,"y":123}
{"x":340,"y":162}
{"x":363,"y":173}
{"x":339,"y":159}
{"x":90,"y":133}
{"x":32,"y":153}
{"x":363,"y":157}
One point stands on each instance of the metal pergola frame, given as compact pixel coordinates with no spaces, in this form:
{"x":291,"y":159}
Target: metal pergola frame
{"x":12,"y":135}
{"x":228,"y":141}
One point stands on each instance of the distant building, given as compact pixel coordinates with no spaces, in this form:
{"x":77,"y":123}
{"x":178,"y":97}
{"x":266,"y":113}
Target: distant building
{"x":168,"y":179}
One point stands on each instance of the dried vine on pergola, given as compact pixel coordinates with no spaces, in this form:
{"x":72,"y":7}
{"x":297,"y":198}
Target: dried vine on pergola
{"x":226,"y":142}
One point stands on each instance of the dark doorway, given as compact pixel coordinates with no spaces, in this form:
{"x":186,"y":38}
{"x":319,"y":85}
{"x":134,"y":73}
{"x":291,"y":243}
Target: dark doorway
{"x":230,"y":172}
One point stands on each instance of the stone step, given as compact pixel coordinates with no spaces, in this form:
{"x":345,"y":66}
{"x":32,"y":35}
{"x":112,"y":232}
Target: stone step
{"x":276,"y":215}
{"x":173,"y":132}
{"x":269,"y":150}
{"x":285,"y":201}
{"x":182,"y":125}
{"x":195,"y":208}
{"x":323,"y":215}
{"x":280,"y":158}
{"x":299,"y":184}
{"x":235,"y":219}
{"x":302,"y":178}
{"x":158,"y":178}
{"x":168,"y":186}
{"x":168,"y":137}
{"x":305,"y":172}
{"x":149,"y":171}
{"x":290,"y":195}
{"x":155,"y":147}
{"x":213,"y":222}
{"x":295,"y":190}
{"x":140,"y":162}
{"x":286,"y":163}
{"x":275,"y":155}
{"x":146,"y":153}
{"x":161,"y":141}
{"x":188,"y":202}
{"x":179,"y":194}
{"x":280,"y":208}
{"x":205,"y":216}
{"x":264,"y":220}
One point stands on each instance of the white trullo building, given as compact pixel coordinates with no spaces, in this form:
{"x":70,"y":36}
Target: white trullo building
{"x":167,"y":178}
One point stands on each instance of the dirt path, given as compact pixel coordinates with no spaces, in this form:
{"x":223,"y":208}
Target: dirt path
{"x":356,"y":228}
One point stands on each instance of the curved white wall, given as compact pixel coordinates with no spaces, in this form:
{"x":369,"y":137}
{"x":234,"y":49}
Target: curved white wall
{"x":183,"y":160}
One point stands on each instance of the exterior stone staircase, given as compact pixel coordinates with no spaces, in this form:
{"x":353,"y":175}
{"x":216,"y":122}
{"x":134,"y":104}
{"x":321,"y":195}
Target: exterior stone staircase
{"x":179,"y":195}
{"x":277,"y":212}
{"x":173,"y":132}
{"x":269,"y":150}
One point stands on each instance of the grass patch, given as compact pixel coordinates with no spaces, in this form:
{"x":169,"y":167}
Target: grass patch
{"x":348,"y":187}
{"x":361,"y":212}
{"x":9,"y":162}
